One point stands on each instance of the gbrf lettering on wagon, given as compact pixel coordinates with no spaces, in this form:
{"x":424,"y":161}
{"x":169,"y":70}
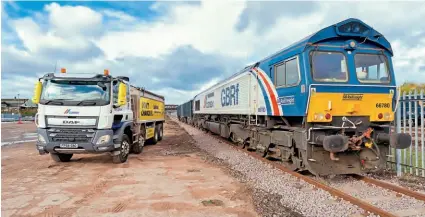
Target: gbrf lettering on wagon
{"x":324,"y":104}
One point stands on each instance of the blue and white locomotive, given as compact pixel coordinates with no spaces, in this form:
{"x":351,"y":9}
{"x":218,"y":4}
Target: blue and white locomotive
{"x":324,"y":104}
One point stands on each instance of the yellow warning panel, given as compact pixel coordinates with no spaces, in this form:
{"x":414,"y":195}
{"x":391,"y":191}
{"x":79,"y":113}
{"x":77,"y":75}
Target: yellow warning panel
{"x":151,"y":109}
{"x":150,"y":132}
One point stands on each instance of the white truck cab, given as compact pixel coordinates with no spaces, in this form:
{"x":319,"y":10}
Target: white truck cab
{"x":82,"y":113}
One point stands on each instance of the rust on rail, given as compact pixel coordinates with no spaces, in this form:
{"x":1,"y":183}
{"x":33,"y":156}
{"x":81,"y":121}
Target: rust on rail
{"x":391,"y":187}
{"x":335,"y":192}
{"x":332,"y":191}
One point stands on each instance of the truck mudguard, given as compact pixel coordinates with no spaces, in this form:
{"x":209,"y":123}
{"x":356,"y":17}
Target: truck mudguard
{"x":119,"y":132}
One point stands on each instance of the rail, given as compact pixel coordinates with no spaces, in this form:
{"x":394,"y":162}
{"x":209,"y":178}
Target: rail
{"x":334,"y":191}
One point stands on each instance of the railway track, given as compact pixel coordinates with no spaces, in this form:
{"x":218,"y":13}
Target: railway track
{"x":374,"y":196}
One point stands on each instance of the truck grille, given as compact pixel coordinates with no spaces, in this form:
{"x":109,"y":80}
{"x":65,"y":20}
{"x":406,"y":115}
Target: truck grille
{"x":70,"y":135}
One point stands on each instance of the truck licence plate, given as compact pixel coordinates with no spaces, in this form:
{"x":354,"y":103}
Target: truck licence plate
{"x":68,"y":145}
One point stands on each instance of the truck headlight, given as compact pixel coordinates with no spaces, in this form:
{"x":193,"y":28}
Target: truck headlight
{"x":103,"y":139}
{"x":41,"y":139}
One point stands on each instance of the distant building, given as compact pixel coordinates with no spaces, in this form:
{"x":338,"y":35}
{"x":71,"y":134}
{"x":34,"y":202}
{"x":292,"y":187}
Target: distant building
{"x":14,"y":105}
{"x":170,"y":107}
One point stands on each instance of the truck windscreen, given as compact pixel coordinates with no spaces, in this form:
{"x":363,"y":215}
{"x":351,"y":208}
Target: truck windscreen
{"x":75,"y":92}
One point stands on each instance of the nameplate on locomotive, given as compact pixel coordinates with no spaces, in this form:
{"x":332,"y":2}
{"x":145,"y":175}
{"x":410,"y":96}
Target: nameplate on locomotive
{"x":356,"y":96}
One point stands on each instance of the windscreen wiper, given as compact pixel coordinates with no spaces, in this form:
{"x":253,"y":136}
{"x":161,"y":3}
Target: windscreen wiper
{"x":59,"y":101}
{"x":93,"y":102}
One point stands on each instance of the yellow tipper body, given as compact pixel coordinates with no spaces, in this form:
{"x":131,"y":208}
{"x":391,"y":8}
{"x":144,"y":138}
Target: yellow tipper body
{"x":151,"y":109}
{"x":377,"y":106}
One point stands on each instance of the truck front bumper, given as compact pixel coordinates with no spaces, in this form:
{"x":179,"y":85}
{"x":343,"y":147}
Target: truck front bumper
{"x":75,"y":147}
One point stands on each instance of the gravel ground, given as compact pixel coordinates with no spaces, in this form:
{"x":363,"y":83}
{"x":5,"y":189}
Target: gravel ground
{"x":290,"y":192}
{"x":412,"y":182}
{"x":387,"y":200}
{"x":266,"y":204}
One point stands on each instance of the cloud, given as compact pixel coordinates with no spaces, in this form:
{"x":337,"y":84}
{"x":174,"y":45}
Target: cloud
{"x":17,"y":62}
{"x":185,"y":68}
{"x":70,"y":21}
{"x":263,"y":15}
{"x":121,"y":16}
{"x":179,"y":48}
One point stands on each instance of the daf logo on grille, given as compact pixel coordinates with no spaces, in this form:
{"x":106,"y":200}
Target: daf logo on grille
{"x":71,"y":122}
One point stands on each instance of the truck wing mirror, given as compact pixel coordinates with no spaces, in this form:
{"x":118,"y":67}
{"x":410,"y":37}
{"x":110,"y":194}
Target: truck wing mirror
{"x":37,"y":92}
{"x":122,"y":94}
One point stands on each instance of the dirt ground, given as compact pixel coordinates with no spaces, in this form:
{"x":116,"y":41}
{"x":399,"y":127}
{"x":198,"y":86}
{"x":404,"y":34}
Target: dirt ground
{"x":171,"y":178}
{"x":13,"y":132}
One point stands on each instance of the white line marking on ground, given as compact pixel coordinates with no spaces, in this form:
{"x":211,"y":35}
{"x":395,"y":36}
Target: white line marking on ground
{"x":16,"y":142}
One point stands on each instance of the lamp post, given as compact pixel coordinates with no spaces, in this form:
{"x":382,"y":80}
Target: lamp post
{"x":19,"y":110}
{"x":19,"y":107}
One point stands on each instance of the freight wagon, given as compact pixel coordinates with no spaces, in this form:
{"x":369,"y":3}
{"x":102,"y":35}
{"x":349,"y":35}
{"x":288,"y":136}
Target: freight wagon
{"x":324,"y":104}
{"x":184,"y":112}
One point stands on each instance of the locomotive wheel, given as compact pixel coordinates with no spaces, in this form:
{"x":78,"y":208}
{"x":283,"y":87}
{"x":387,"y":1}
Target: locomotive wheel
{"x":245,"y":143}
{"x":232,"y":138}
{"x":262,"y":153}
{"x":290,"y":165}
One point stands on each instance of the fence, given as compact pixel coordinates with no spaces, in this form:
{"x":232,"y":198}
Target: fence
{"x":5,"y":117}
{"x":410,"y":118}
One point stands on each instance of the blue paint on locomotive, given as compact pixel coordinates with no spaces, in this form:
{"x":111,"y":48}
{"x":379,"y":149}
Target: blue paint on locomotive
{"x":368,"y":41}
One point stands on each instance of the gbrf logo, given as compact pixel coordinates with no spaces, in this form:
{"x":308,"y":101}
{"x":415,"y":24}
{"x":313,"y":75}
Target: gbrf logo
{"x":230,"y":95}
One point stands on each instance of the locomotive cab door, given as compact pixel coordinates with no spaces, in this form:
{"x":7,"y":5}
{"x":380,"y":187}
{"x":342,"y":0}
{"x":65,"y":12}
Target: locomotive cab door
{"x":288,"y":80}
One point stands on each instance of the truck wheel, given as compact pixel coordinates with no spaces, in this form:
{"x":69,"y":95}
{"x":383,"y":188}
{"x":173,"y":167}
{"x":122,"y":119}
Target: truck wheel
{"x":138,"y":147}
{"x":124,"y":150}
{"x":61,"y":157}
{"x":160,"y":132}
{"x":154,"y":139}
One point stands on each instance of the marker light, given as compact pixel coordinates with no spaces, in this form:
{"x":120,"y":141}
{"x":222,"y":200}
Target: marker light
{"x":106,"y":72}
{"x":380,"y":115}
{"x":352,"y":44}
{"x":328,"y":116}
{"x":63,"y":70}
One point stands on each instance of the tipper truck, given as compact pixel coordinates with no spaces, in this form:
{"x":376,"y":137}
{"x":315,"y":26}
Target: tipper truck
{"x":86,"y":113}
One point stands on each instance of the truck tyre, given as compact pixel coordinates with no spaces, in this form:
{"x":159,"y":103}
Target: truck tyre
{"x":61,"y":157}
{"x":160,"y":132}
{"x":138,"y":147}
{"x":154,"y":139}
{"x":124,"y":150}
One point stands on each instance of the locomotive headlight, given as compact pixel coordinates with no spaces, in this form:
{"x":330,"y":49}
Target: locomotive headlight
{"x":352,"y":44}
{"x":387,"y":115}
{"x":319,"y":116}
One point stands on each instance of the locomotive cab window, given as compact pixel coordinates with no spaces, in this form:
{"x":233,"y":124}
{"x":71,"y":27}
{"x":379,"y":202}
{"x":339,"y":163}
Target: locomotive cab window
{"x":197,"y":105}
{"x":287,"y":73}
{"x":329,"y":66}
{"x":371,"y":68}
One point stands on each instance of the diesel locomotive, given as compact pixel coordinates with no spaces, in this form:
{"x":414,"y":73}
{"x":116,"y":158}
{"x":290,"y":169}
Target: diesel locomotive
{"x":324,"y":104}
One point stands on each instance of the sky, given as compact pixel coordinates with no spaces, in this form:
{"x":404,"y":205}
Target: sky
{"x":177,"y":49}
